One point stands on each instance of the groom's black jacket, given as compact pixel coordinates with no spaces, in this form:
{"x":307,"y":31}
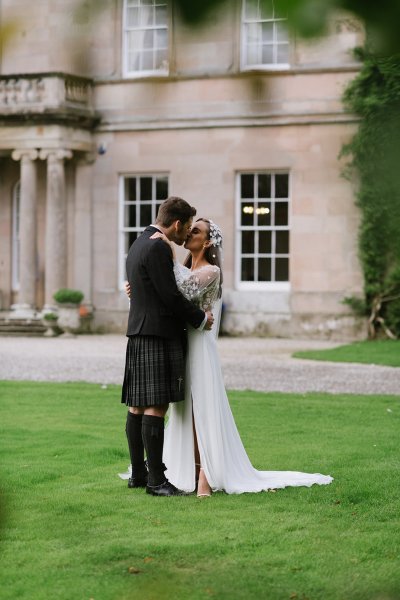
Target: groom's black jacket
{"x":157,"y":306}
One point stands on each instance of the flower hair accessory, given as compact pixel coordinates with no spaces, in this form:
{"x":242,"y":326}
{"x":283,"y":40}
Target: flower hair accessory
{"x":215,"y":234}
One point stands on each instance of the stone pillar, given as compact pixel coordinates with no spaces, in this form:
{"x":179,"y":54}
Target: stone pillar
{"x":56,"y":224}
{"x":83,"y":231}
{"x":25,"y":307}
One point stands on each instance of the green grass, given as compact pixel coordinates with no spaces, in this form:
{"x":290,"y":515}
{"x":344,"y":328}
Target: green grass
{"x":71,"y":528}
{"x":379,"y":352}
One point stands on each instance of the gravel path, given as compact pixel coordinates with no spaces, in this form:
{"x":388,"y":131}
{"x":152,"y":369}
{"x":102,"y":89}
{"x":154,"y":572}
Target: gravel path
{"x":262,"y":364}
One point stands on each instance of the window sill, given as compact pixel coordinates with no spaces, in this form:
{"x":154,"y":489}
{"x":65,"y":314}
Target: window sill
{"x":137,"y":75}
{"x":267,"y":286}
{"x":265,"y":68}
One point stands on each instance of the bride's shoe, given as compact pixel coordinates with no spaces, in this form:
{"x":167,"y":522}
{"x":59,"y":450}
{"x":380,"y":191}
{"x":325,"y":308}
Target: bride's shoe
{"x":203,"y":487}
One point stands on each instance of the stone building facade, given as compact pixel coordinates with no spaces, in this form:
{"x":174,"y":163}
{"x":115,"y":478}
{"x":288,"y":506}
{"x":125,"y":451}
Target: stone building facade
{"x":105,"y":113}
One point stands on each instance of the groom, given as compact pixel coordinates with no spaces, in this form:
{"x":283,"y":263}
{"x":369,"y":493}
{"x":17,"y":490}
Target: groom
{"x":155,"y":361}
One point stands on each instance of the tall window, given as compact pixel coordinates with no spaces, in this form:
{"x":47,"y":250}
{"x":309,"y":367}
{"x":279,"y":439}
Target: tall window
{"x":15,"y":237}
{"x":265,"y":39}
{"x":145,"y":49}
{"x":263,"y":229}
{"x":140,"y":197}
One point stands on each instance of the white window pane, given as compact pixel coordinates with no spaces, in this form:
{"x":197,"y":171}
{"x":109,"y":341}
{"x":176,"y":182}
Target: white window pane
{"x":264,"y":269}
{"x":161,"y":15}
{"x":247,"y":269}
{"x":281,"y":269}
{"x":130,"y":39}
{"x":132,"y":2}
{"x":147,"y":60}
{"x":283,"y":54}
{"x":247,"y":185}
{"x":161,"y":39}
{"x":162,"y":188}
{"x":268,"y":32}
{"x":282,"y":34}
{"x":254,"y":32}
{"x":161,"y":60}
{"x":267,"y":55}
{"x":148,"y":40}
{"x":130,"y":215}
{"x":147,"y":16}
{"x":253,"y":54}
{"x":149,"y":2}
{"x":267,"y":9}
{"x":132,"y":17}
{"x":134,"y":61}
{"x":251,"y":9}
{"x":129,"y":238}
{"x":135,"y":40}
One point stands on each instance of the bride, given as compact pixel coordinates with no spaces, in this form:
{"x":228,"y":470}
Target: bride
{"x":201,"y":431}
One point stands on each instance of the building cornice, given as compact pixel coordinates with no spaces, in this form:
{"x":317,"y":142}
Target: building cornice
{"x":276,"y":120}
{"x":244,"y":75}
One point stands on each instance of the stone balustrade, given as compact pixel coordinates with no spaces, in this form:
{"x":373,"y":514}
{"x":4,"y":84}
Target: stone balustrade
{"x":53,"y":96}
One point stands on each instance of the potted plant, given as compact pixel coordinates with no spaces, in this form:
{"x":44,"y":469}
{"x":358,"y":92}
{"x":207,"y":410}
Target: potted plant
{"x":68,"y":310}
{"x":49,"y":320}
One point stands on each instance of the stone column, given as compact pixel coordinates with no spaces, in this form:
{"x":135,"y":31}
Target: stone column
{"x":25,"y":307}
{"x":83,"y":242}
{"x":56,"y":224}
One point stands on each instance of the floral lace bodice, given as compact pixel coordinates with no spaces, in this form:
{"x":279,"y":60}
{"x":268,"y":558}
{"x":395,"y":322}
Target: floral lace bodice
{"x":200,"y":286}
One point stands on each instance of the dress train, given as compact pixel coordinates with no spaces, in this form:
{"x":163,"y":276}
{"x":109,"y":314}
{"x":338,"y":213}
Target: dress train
{"x":222,"y":454}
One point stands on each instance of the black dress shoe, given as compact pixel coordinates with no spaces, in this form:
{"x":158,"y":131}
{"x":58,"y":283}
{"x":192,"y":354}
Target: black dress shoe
{"x":138,"y":482}
{"x":165,"y":489}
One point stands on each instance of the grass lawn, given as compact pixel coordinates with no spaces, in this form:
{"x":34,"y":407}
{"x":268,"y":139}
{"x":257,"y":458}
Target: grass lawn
{"x":377,"y":352}
{"x":71,"y":529}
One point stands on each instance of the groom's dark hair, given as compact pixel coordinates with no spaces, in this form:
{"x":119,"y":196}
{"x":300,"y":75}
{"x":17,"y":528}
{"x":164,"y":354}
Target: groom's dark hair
{"x":174,"y":209}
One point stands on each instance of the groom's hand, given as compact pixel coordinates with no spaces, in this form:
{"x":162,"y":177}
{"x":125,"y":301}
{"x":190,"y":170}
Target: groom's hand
{"x":210,"y":320}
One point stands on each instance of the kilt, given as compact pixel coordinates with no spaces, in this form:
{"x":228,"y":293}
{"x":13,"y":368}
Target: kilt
{"x":154,"y":371}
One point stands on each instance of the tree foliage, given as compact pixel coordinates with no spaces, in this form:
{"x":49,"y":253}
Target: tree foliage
{"x":374,"y":95}
{"x":310,"y":17}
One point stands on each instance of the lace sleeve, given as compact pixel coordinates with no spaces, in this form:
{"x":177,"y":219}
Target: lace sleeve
{"x":188,"y":283}
{"x":201,"y":286}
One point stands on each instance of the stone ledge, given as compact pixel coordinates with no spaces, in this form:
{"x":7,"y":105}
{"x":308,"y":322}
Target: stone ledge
{"x":306,"y":326}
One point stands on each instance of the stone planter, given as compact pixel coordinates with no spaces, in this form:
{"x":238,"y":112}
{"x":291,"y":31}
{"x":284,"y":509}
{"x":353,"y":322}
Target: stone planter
{"x":68,"y":319}
{"x":52,"y":328}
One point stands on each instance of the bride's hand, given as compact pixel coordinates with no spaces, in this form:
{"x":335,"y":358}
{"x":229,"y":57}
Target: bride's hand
{"x":163,"y":237}
{"x":128,"y":289}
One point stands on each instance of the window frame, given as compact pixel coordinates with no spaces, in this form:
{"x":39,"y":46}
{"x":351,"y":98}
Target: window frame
{"x":122,"y":229}
{"x":277,"y":286}
{"x":126,"y":73}
{"x":243,"y":45}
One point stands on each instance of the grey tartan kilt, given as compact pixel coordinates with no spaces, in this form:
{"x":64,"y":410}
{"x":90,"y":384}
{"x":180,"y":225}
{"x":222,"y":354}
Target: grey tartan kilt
{"x":154,"y":371}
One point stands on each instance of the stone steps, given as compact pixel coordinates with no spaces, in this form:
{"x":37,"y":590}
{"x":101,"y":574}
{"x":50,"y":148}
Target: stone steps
{"x":21,"y":327}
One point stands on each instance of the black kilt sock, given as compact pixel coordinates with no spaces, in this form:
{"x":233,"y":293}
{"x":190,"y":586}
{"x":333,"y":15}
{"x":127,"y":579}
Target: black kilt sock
{"x":153,"y":439}
{"x":135,"y":443}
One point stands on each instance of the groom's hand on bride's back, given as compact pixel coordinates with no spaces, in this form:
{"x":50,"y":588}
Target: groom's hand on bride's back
{"x":127,"y":289}
{"x":210,"y":320}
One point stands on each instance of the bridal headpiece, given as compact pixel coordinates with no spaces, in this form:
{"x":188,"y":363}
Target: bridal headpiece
{"x":215,"y":234}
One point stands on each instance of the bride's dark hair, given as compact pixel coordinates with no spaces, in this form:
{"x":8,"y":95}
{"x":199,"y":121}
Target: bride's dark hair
{"x":212,"y":254}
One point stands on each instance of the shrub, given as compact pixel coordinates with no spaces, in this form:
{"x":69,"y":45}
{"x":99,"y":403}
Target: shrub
{"x":50,"y":316}
{"x":68,"y":296}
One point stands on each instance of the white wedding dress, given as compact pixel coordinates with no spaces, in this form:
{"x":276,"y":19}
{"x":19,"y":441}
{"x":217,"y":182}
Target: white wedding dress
{"x":222,"y":454}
